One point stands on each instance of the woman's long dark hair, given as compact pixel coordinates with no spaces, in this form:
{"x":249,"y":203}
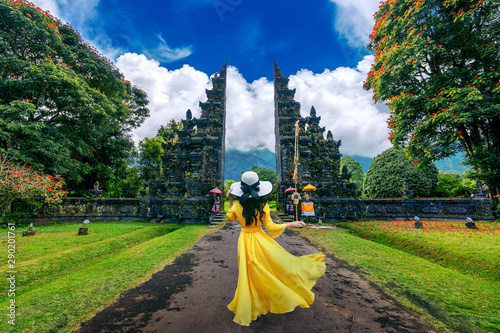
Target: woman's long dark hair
{"x":252,"y":208}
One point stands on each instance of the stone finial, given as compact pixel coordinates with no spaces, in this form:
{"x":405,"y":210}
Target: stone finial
{"x":329,"y":136}
{"x":189,"y":114}
{"x":313,"y":112}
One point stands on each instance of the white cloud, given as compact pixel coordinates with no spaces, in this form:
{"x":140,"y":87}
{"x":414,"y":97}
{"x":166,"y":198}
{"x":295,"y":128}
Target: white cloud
{"x":85,"y":18}
{"x":338,"y":96}
{"x":75,"y":11}
{"x":171,"y":92}
{"x":165,"y":53}
{"x":51,"y":5}
{"x":249,"y":112}
{"x":354,"y":20}
{"x":345,"y":107}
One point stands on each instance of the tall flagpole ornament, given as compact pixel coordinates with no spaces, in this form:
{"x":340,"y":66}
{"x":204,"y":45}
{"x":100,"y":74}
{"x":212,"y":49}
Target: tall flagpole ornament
{"x":296,"y":195}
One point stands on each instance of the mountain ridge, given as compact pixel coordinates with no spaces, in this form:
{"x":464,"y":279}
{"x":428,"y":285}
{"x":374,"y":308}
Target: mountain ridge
{"x":238,"y":161}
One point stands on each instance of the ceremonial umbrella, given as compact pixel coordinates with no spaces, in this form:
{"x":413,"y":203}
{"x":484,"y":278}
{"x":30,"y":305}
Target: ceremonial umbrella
{"x":290,"y":189}
{"x":309,"y":187}
{"x":215,"y":191}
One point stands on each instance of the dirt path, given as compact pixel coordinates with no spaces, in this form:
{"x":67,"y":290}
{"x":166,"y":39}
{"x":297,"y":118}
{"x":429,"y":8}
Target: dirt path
{"x":191,"y":295}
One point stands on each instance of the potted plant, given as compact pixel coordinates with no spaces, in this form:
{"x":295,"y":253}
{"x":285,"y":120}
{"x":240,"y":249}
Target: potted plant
{"x":84,"y":230}
{"x":30,"y":231}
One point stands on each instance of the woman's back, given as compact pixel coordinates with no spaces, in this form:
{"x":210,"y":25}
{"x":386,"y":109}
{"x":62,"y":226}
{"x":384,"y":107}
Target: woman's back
{"x":236,"y":214}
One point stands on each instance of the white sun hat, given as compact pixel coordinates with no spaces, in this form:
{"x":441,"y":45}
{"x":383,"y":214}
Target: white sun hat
{"x":251,"y":187}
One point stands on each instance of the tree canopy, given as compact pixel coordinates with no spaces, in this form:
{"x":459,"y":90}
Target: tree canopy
{"x":437,"y":65}
{"x":452,"y":184}
{"x":150,"y":151}
{"x":63,"y":106}
{"x":391,"y":170}
{"x":355,"y":169}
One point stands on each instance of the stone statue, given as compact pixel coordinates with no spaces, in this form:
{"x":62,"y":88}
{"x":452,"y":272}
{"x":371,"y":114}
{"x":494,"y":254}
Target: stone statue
{"x":345,"y":173}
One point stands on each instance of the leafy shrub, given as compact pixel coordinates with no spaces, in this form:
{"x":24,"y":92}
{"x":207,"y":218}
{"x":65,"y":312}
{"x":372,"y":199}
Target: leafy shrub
{"x":391,"y":170}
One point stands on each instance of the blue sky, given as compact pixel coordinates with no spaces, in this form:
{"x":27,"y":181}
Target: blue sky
{"x":170,"y":48}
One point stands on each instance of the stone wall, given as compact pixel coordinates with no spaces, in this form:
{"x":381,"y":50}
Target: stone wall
{"x":169,"y":210}
{"x":398,"y":209}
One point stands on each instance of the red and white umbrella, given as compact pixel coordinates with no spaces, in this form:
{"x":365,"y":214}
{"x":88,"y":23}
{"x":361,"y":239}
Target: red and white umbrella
{"x":290,"y":189}
{"x":215,"y":191}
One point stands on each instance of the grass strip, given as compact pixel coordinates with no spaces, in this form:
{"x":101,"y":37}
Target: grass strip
{"x":472,"y":252}
{"x":60,"y":305}
{"x":54,"y":238}
{"x":50,"y":267}
{"x":447,"y":299}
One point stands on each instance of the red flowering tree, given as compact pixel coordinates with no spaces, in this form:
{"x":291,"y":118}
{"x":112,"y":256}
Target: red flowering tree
{"x":20,"y":181}
{"x":437,"y":65}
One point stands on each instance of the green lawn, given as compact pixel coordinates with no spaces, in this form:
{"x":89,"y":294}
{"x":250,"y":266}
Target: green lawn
{"x":60,"y":280}
{"x":471,"y":251}
{"x":453,"y":297}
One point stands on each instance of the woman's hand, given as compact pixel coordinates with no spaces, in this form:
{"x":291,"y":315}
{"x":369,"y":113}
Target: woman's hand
{"x":295,"y":224}
{"x":230,"y":197}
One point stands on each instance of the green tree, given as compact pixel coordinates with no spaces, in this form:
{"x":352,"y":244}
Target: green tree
{"x":150,"y":152}
{"x":391,"y":170}
{"x":355,"y":169}
{"x":170,"y":132}
{"x":63,"y":106}
{"x":267,"y":175}
{"x":451,"y":184}
{"x":437,"y":64}
{"x":227,"y":185}
{"x":125,"y":184}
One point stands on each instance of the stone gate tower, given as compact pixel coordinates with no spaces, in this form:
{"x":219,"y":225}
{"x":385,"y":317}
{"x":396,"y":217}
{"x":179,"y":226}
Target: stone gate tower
{"x":319,"y":158}
{"x":194,"y":163}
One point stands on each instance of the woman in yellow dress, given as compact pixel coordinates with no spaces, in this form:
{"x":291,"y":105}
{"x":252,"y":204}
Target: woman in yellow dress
{"x":270,"y":279}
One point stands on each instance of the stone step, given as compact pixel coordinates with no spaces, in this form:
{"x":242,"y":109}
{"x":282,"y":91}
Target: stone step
{"x":285,"y":217}
{"x":218,"y":218}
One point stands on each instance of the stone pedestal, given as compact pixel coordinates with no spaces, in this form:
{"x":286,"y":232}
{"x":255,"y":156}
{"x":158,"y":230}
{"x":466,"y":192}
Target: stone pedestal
{"x":83,"y":231}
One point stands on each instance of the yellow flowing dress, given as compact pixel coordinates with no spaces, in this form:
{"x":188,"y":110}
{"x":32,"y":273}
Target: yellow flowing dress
{"x":270,"y":279}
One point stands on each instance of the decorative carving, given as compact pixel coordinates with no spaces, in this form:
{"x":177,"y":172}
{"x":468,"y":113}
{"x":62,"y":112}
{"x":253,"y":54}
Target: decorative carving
{"x":108,"y":209}
{"x":457,"y":210}
{"x":374,"y":209}
{"x":127,"y":209}
{"x":394,"y":209}
{"x":430,"y":209}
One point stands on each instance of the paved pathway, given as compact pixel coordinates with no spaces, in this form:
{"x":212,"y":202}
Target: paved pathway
{"x":191,"y":295}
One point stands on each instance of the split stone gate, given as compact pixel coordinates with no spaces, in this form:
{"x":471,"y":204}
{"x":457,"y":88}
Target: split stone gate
{"x":193,"y":163}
